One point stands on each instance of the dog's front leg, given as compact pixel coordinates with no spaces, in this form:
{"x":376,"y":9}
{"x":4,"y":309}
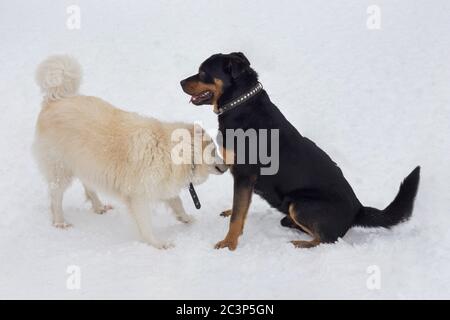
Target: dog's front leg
{"x":242,"y":196}
{"x":177,"y":207}
{"x":141,"y":211}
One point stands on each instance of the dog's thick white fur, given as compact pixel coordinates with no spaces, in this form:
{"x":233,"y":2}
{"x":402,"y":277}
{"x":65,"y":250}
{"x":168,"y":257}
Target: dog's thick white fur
{"x":109,"y":150}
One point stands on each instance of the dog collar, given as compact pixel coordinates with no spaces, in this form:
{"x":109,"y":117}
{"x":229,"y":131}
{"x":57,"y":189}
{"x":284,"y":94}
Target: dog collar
{"x":194,"y":196}
{"x":241,"y":99}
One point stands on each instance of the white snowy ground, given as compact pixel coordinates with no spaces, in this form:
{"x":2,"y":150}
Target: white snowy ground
{"x":378,"y":101}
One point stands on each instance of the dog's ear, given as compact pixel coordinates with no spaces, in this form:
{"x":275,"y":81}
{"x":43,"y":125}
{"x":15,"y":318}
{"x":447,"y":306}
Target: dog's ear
{"x":237,"y":64}
{"x":241,"y":56}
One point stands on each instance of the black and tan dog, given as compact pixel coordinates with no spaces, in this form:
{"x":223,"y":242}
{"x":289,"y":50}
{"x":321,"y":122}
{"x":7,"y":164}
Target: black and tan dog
{"x":308,"y":187}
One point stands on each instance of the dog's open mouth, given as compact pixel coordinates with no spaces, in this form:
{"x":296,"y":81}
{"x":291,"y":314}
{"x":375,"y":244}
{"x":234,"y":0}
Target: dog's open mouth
{"x":201,"y":98}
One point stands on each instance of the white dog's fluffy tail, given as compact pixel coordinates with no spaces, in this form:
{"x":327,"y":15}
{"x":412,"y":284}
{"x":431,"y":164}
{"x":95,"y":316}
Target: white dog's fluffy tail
{"x":59,"y":76}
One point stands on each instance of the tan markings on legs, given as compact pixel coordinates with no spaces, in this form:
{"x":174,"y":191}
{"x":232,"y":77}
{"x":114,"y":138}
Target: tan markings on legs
{"x":228,"y":213}
{"x":243,"y":190}
{"x":302,"y":243}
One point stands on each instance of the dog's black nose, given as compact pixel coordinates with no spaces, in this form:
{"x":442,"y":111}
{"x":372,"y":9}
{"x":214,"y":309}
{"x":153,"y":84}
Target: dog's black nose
{"x":183,"y":82}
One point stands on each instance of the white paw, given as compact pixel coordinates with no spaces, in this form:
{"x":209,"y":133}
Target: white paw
{"x":186,"y":219}
{"x":162,"y":245}
{"x":103,"y":209}
{"x":62,"y":225}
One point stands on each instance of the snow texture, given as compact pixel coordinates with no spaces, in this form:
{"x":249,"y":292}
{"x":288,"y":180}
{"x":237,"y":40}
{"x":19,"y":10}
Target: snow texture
{"x":378,"y":101}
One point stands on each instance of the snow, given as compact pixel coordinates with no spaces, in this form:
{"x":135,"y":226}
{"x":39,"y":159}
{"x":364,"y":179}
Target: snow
{"x":378,"y":101}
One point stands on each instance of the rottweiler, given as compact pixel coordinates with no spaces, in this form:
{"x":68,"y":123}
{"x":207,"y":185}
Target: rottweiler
{"x":308,"y":186}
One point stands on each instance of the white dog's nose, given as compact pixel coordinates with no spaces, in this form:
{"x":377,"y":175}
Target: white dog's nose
{"x":221,"y":168}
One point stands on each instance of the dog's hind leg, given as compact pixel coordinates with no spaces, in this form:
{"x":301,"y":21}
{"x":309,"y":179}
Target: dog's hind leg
{"x":177,"y":207}
{"x":323,"y":220}
{"x":289,"y":223}
{"x":58,"y":179}
{"x":140,"y":209}
{"x":57,"y":185}
{"x":97,"y":205}
{"x":56,"y":197}
{"x":294,"y":216}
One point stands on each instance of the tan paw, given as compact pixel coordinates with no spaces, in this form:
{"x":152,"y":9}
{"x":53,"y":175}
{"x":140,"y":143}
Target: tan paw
{"x":305,"y":244}
{"x":227,"y":243}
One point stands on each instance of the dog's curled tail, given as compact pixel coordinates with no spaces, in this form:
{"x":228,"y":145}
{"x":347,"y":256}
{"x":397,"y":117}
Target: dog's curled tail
{"x":399,"y":210}
{"x":59,"y":76}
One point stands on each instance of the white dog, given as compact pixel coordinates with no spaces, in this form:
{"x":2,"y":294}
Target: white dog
{"x":121,"y":153}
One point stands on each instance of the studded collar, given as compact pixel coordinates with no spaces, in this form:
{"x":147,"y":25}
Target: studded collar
{"x":240,"y":100}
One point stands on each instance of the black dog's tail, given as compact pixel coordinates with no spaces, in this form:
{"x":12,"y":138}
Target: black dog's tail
{"x":399,"y":210}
